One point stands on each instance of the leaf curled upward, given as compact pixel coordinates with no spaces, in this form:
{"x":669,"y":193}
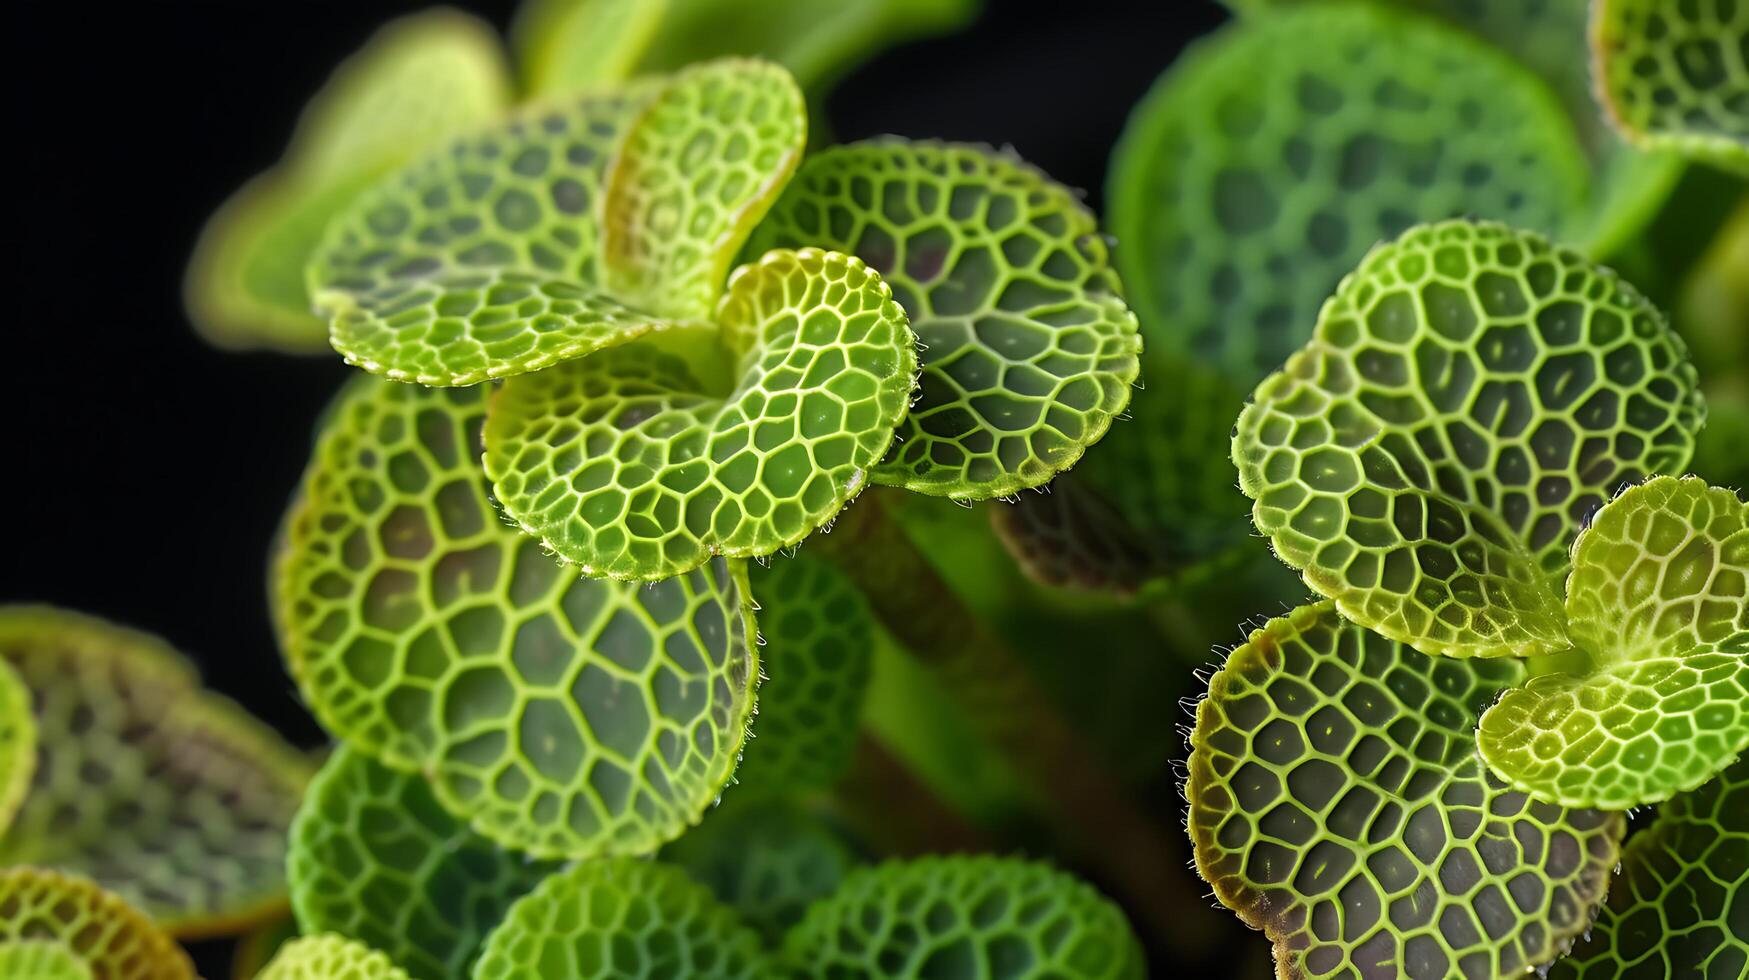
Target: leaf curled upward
{"x":622,"y":918}
{"x":1676,"y":75}
{"x":160,"y":791}
{"x":1471,"y":395}
{"x":330,"y":957}
{"x":418,"y":80}
{"x":619,"y":464}
{"x":558,"y":715}
{"x":48,"y":918}
{"x":1337,"y":802}
{"x":1659,"y":599}
{"x":1028,"y":350}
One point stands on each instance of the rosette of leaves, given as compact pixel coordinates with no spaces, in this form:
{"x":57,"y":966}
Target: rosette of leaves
{"x":978,"y":917}
{"x":1471,"y":398}
{"x":162,"y":792}
{"x":55,"y":926}
{"x":1676,"y":75}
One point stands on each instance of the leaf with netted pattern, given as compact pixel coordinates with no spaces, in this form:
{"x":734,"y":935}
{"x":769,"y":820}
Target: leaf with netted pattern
{"x":1676,"y":75}
{"x":106,"y":937}
{"x":330,"y":957}
{"x":559,"y":715}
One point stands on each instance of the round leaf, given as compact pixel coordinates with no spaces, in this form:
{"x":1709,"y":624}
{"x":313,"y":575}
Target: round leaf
{"x":1659,"y":599}
{"x":41,"y":959}
{"x":1676,"y":75}
{"x":623,"y":465}
{"x":480,"y":260}
{"x":110,"y":938}
{"x":697,"y":170}
{"x":1272,"y":156}
{"x":168,"y":795}
{"x":1338,"y":803}
{"x":995,"y":918}
{"x":419,"y":79}
{"x":622,"y":918}
{"x":1028,"y":350}
{"x":559,"y":715}
{"x":1472,"y":394}
{"x":374,"y":857}
{"x":330,"y":957}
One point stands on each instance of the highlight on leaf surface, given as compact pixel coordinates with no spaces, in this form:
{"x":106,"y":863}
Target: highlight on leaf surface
{"x":374,"y":857}
{"x":1262,"y":167}
{"x":979,"y":917}
{"x":330,"y":957}
{"x":767,"y":857}
{"x":1678,"y":908}
{"x":41,"y":959}
{"x":418,"y":80}
{"x":695,"y":172}
{"x":818,"y":633}
{"x":1028,"y":350}
{"x":1471,"y":395}
{"x":1676,"y":75}
{"x":624,"y":919}
{"x":167,"y":794}
{"x":17,"y":743}
{"x":482,"y":260}
{"x":1659,"y":600}
{"x":111,"y":939}
{"x":1337,"y":802}
{"x":622,"y":464}
{"x":559,"y":715}
{"x":566,"y":46}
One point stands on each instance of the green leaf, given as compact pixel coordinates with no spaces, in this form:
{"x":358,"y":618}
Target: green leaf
{"x":639,"y":920}
{"x":480,"y":261}
{"x":1659,"y":599}
{"x":1674,"y":75}
{"x":1072,"y":537}
{"x":1472,"y":394}
{"x":1028,"y":349}
{"x":1338,"y":803}
{"x":623,"y":465}
{"x":696,"y":171}
{"x":767,"y":857}
{"x":167,"y":794}
{"x":992,"y":917}
{"x":1262,"y":167}
{"x":330,"y":957}
{"x":41,"y":959}
{"x":565,"y":46}
{"x":255,"y":948}
{"x":17,"y":744}
{"x":559,"y":715}
{"x":1678,"y":909}
{"x":376,"y":858}
{"x":418,"y":80}
{"x":818,"y":633}
{"x":110,"y":938}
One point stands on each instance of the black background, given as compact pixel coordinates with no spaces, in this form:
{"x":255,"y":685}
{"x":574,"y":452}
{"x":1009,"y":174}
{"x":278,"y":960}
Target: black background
{"x":153,"y":468}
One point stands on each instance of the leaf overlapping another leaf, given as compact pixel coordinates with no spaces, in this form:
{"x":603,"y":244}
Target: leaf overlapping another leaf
{"x":109,"y":938}
{"x":1676,"y":75}
{"x":330,"y":957}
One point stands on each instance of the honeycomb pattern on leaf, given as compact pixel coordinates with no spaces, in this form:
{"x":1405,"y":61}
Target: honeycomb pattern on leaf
{"x":1028,"y":348}
{"x":623,"y":465}
{"x":818,"y":634}
{"x":481,"y":260}
{"x":109,"y":937}
{"x":375,"y":857}
{"x":1678,"y":909}
{"x":559,"y":715}
{"x":1263,"y":166}
{"x":767,"y":857}
{"x":418,"y":80}
{"x":330,"y":957}
{"x":622,"y":919}
{"x":41,"y":959}
{"x":1676,"y":74}
{"x":1471,"y":396}
{"x":1338,"y":803}
{"x":17,"y":743}
{"x":1659,"y":600}
{"x":698,"y":168}
{"x":169,"y":795}
{"x":973,"y":917}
